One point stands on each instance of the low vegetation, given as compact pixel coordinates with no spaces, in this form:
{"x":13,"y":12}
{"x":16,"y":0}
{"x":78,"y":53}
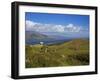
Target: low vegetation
{"x":72,"y":53}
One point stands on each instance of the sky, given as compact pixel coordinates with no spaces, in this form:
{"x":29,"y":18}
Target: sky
{"x":59,"y":24}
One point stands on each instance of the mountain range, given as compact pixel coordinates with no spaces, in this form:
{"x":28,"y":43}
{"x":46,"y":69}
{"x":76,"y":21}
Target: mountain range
{"x":33,"y":37}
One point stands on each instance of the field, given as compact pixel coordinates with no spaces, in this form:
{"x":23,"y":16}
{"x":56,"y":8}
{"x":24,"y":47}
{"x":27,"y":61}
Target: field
{"x":71,"y":53}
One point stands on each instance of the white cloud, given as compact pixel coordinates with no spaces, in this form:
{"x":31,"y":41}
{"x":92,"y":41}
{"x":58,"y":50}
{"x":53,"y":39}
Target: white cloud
{"x":30,"y":25}
{"x":58,"y":28}
{"x":70,"y":25}
{"x":72,"y":28}
{"x":34,"y":26}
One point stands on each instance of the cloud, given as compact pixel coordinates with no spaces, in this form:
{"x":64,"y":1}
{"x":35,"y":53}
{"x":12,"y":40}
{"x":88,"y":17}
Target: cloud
{"x":72,"y":28}
{"x":58,"y":28}
{"x":70,"y":25}
{"x":34,"y":26}
{"x":30,"y":25}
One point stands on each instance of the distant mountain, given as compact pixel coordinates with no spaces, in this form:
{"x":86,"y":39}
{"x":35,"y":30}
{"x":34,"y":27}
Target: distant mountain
{"x":33,"y":37}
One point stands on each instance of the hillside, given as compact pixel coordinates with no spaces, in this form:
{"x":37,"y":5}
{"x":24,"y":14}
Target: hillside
{"x":71,"y":53}
{"x":36,"y":37}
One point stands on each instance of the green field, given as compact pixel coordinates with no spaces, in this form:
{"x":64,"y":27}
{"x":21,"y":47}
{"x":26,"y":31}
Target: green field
{"x":72,"y":53}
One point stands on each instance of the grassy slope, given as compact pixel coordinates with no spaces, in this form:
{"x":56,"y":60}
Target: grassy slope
{"x":75,"y":52}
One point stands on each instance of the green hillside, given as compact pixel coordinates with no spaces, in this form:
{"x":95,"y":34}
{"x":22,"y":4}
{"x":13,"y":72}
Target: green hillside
{"x":72,"y":53}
